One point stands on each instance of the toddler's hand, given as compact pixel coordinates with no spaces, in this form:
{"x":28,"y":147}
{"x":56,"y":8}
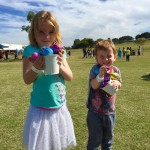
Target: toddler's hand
{"x":116,"y":84}
{"x":39,"y":63}
{"x":103,"y":70}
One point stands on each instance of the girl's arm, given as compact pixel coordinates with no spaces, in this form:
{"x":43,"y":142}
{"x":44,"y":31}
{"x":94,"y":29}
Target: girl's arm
{"x":28,"y":74}
{"x":66,"y":71}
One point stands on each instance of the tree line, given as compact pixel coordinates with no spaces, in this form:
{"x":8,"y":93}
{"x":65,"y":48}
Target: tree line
{"x":89,"y":42}
{"x":139,"y":39}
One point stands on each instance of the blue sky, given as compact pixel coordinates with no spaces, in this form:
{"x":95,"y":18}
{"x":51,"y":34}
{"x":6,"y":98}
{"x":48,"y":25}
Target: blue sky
{"x":77,"y":18}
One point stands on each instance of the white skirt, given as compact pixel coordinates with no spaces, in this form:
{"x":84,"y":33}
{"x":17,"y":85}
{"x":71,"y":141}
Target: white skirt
{"x":48,"y":130}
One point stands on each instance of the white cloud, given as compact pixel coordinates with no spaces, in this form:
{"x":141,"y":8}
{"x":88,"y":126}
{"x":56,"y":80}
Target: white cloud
{"x":81,"y":18}
{"x":15,"y":36}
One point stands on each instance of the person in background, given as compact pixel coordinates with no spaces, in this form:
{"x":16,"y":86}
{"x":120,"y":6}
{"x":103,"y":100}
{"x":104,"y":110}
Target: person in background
{"x":119,"y":53}
{"x":16,"y":53}
{"x":84,"y":52}
{"x":124,"y":52}
{"x":1,"y":55}
{"x":48,"y":124}
{"x":139,"y":51}
{"x":6,"y":54}
{"x":69,"y":53}
{"x":128,"y":52}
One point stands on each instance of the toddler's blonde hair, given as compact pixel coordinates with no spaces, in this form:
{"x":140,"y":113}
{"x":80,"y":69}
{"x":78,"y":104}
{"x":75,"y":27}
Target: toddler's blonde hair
{"x":105,"y":45}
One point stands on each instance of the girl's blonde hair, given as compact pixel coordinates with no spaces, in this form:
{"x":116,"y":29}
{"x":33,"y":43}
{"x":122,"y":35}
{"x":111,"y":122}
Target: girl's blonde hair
{"x":105,"y":45}
{"x":43,"y":16}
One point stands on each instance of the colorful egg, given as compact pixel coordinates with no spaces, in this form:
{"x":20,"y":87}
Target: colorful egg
{"x":56,"y":48}
{"x":34,"y":56}
{"x":46,"y":51}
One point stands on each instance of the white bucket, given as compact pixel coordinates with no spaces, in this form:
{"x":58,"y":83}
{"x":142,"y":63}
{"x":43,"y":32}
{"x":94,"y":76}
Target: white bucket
{"x":109,"y":88}
{"x":51,"y":64}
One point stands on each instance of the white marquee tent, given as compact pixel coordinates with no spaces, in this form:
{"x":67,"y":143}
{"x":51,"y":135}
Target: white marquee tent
{"x":11,"y":47}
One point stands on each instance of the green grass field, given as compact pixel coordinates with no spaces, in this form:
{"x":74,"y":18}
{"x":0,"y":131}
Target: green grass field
{"x":132,"y":126}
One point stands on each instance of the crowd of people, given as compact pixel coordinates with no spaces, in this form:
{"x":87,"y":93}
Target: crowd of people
{"x":88,"y":52}
{"x":4,"y":54}
{"x":122,"y":53}
{"x":127,"y":52}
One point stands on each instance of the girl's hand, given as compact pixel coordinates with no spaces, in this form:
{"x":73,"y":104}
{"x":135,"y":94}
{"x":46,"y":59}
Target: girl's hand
{"x":116,"y":84}
{"x":60,"y":55}
{"x":39,"y":63}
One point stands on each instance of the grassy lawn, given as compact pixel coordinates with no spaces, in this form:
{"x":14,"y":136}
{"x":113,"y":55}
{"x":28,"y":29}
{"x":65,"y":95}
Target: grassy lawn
{"x":132,"y":127}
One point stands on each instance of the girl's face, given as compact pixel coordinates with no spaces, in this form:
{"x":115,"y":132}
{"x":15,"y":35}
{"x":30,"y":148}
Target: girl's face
{"x":45,"y":35}
{"x":105,"y":57}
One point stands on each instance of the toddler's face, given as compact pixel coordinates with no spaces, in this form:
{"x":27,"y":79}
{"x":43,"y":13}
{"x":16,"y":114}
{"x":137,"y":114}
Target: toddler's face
{"x":105,"y":57}
{"x":45,"y":36}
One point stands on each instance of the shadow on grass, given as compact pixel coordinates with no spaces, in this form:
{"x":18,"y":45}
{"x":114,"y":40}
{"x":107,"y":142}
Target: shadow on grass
{"x":146,"y":77}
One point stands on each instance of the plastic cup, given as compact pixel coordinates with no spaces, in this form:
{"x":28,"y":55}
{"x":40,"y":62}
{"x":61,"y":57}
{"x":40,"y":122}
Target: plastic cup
{"x":109,"y":88}
{"x":51,"y":64}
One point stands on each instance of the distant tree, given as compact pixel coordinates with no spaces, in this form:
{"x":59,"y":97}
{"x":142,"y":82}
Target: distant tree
{"x":137,"y":36}
{"x":84,"y":43}
{"x":115,"y":40}
{"x":25,"y":28}
{"x":88,"y":41}
{"x":76,"y":44}
{"x":125,"y":39}
{"x":145,"y":35}
{"x":29,"y":18}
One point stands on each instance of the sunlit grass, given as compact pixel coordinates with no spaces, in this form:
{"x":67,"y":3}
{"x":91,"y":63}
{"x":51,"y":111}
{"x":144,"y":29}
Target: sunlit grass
{"x":133,"y":123}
